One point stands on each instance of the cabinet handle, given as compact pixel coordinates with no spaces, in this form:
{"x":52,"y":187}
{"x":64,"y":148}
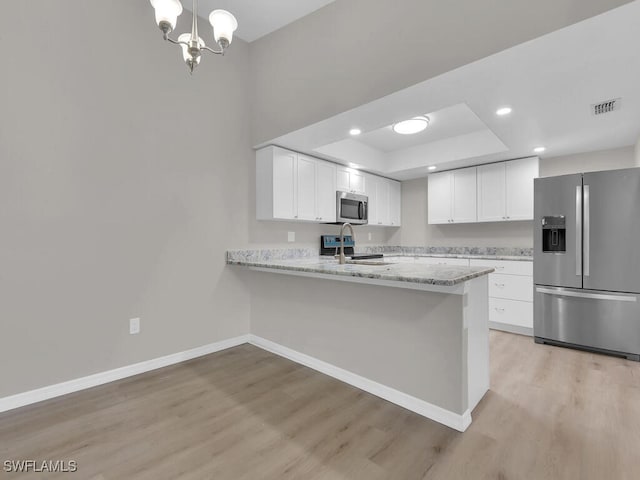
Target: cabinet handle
{"x":295,"y":216}
{"x":499,"y":285}
{"x":497,"y":309}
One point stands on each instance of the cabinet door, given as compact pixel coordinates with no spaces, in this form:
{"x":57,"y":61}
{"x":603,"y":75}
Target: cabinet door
{"x":395,"y":203}
{"x":284,"y":184}
{"x":439,"y":198}
{"x":382,"y":201}
{"x":357,"y":182}
{"x":371,"y":193}
{"x":464,"y":200}
{"x":343,"y":179}
{"x":491,"y":193}
{"x":306,"y":179}
{"x":325,"y":191}
{"x":519,"y":177}
{"x":463,"y":262}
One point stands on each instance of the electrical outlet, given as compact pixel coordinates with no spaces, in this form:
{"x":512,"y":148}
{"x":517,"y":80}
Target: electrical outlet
{"x":369,"y":236}
{"x":291,"y":236}
{"x":134,"y":326}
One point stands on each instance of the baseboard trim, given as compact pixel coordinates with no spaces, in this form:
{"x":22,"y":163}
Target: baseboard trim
{"x":426,"y":409}
{"x":511,"y":328}
{"x":59,"y":389}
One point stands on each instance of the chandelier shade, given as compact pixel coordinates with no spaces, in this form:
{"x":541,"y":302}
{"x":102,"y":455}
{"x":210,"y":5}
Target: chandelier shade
{"x":224,"y":24}
{"x":167,"y":11}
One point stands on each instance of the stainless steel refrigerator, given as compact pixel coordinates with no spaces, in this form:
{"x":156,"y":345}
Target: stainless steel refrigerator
{"x":586,"y":264}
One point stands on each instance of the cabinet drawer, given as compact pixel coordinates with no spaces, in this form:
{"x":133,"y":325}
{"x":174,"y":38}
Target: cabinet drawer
{"x":510,"y":267}
{"x":511,"y":312}
{"x":443,"y":261}
{"x":511,"y":287}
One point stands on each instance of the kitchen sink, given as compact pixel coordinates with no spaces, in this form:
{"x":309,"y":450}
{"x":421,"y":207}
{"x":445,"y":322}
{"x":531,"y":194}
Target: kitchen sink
{"x":368,"y":262}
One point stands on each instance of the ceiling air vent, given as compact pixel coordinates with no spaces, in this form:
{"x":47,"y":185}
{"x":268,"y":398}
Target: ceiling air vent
{"x":606,"y":107}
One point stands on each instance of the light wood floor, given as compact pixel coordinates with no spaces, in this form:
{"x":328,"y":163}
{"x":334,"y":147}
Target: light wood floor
{"x":244,"y":413}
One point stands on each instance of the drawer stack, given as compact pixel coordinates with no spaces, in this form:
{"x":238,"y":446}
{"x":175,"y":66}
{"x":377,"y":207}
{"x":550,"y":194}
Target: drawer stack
{"x":510,"y":295}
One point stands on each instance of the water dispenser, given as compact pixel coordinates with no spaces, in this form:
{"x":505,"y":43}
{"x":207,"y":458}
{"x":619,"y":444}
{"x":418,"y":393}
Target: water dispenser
{"x":554,"y":234}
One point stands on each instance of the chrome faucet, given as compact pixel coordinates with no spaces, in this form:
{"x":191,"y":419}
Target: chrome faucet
{"x":342,"y":260}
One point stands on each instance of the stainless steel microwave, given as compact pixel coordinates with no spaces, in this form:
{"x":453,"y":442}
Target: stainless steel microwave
{"x":352,"y":208}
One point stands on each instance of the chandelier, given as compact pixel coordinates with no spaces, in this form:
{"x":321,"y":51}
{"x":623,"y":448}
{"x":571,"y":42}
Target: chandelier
{"x":223,"y":23}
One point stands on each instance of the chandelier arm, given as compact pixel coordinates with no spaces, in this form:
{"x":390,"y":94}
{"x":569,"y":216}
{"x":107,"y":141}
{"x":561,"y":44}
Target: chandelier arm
{"x":217,"y":52}
{"x":176,"y":42}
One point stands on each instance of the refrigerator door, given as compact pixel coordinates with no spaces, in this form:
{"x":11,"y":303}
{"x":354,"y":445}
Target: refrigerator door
{"x":559,"y":198}
{"x":601,"y":321}
{"x":612,"y":230}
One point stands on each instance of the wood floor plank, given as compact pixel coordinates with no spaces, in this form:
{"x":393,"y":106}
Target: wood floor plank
{"x":245,"y":414}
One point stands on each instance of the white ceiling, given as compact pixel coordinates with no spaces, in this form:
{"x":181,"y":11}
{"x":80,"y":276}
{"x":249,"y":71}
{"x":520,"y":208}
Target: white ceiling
{"x":550,"y":82}
{"x":256,"y":18}
{"x":448,"y":122}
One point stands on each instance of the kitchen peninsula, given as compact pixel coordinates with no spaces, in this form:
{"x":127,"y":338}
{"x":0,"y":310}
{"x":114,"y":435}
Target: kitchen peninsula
{"x":412,"y":333}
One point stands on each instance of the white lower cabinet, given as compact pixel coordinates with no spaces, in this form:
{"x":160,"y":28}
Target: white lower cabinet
{"x":510,"y":295}
{"x":504,"y":313}
{"x":464,"y":262}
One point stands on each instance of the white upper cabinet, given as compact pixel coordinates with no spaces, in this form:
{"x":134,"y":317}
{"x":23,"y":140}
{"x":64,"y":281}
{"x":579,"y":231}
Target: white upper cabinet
{"x":384,"y":201}
{"x":290,"y":186}
{"x":350,"y":180}
{"x":505,"y":190}
{"x":439,"y":198}
{"x":519,"y":188}
{"x":491,"y":193}
{"x":280,"y":171}
{"x":325,"y":191}
{"x":463,"y":202}
{"x":452,"y":196}
{"x":395,"y":203}
{"x":306,"y":186}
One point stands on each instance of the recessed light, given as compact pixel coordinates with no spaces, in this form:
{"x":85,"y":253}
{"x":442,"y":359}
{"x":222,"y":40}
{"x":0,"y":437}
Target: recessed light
{"x":355,"y":131}
{"x":412,"y":126}
{"x":539,"y":149}
{"x":432,"y":167}
{"x":502,"y":111}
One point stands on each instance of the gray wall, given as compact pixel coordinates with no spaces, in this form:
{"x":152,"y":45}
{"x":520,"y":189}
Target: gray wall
{"x":354,"y":51}
{"x":589,"y":162}
{"x":637,"y":152}
{"x":369,"y":330}
{"x":123,"y":180}
{"x":415,"y":230}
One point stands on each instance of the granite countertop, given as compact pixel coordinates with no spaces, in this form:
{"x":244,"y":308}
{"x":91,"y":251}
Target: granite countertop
{"x":441,"y":275}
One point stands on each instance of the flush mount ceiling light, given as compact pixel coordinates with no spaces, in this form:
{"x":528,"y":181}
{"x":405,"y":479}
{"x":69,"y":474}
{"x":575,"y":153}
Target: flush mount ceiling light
{"x":412,"y":126}
{"x":355,"y":131}
{"x":539,"y":149}
{"x":223,"y":23}
{"x":502,"y":111}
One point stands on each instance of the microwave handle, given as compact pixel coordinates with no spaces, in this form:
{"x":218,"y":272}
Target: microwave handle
{"x":361,"y":210}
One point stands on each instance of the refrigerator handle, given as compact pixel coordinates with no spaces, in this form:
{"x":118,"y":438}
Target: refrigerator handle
{"x":578,"y":230}
{"x":586,"y":234}
{"x":563,"y":292}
